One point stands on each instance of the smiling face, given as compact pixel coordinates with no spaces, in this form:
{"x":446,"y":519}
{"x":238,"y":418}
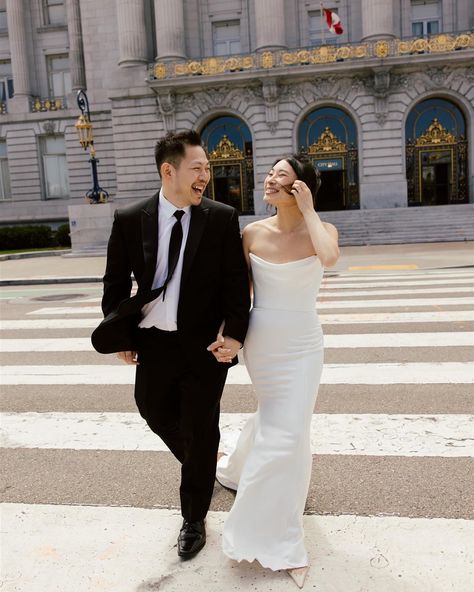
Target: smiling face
{"x":185,"y":182}
{"x":281,"y":174}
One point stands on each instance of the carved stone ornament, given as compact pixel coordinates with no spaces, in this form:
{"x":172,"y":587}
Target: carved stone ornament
{"x":167,"y":105}
{"x":437,"y":76}
{"x":49,"y":127}
{"x":382,"y":49}
{"x":381,"y":118}
{"x":271,"y":97}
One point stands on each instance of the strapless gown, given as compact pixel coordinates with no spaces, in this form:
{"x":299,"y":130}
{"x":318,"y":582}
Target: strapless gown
{"x":270,"y":466}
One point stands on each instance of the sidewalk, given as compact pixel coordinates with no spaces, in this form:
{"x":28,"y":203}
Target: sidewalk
{"x":364,"y":259}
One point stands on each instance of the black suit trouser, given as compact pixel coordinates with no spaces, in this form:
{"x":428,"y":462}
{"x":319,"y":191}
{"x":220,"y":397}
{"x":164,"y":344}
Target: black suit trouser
{"x":180,"y":402}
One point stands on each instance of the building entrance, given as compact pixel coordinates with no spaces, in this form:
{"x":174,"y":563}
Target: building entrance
{"x":327,"y":138}
{"x":331,"y":192}
{"x":229,"y":146}
{"x":436,"y":154}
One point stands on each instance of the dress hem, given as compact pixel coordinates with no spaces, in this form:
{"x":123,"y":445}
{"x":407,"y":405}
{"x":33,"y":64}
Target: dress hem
{"x":265,"y":563}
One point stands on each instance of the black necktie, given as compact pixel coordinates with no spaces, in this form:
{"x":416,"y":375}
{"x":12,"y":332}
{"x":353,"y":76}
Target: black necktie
{"x":176,"y":239}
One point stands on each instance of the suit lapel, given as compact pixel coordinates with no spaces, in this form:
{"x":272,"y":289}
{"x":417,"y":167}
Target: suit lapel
{"x":196,"y":228}
{"x":149,"y":222}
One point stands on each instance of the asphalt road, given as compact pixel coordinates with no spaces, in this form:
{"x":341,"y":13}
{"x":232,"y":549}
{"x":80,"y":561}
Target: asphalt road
{"x":391,"y":502}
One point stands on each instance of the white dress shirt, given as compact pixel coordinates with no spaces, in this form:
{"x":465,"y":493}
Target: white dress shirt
{"x":157,"y":313}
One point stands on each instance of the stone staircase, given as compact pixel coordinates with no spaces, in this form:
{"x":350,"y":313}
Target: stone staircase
{"x":399,"y":225}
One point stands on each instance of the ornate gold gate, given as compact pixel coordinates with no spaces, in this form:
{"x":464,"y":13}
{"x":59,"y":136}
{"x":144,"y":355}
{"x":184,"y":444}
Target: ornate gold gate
{"x":231,"y":176}
{"x":337,"y":164}
{"x":437,"y":167}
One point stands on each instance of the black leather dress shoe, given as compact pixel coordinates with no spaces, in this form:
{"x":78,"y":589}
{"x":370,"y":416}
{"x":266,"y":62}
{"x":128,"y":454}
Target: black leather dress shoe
{"x":191,"y":539}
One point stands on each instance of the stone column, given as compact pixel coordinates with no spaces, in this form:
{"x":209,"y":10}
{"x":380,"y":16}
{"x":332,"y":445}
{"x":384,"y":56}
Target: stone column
{"x":270,"y":23}
{"x":132,"y":36}
{"x":76,"y":49}
{"x":377,"y":19}
{"x":169,"y":18}
{"x":19,"y":55}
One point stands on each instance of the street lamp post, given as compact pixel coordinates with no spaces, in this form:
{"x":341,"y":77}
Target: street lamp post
{"x":84,"y":129}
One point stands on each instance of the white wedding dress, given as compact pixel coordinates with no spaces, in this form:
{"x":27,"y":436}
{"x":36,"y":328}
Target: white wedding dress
{"x":270,"y":466}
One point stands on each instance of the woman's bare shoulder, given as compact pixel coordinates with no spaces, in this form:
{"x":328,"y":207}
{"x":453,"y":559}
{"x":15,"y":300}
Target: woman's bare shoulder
{"x":257,"y":226}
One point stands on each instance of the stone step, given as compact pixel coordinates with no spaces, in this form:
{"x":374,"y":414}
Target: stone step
{"x":399,"y":225}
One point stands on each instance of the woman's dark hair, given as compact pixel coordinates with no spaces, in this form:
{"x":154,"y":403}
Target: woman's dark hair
{"x":172,"y":148}
{"x":306,"y":172}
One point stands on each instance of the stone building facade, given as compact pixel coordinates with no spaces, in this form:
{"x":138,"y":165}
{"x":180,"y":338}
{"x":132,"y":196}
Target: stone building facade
{"x":385,"y":110}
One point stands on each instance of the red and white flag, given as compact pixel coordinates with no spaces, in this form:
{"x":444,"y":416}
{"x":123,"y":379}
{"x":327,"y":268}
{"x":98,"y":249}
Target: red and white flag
{"x":333,"y":21}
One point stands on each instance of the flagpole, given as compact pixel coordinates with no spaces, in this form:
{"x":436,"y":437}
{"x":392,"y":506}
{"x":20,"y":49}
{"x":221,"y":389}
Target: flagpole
{"x":322,"y":24}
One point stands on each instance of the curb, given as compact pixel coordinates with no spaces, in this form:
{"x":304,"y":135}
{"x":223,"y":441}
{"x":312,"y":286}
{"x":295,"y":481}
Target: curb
{"x":47,"y":280}
{"x":32,"y":254}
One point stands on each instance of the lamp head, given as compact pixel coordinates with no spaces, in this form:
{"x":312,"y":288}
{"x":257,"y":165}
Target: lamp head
{"x":84,"y":129}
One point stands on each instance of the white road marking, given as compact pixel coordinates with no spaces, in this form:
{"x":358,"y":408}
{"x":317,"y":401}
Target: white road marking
{"x":398,"y":340}
{"x":67,"y":310}
{"x":401,"y":291}
{"x":324,"y":304}
{"x":428,"y":274}
{"x":370,"y":553}
{"x":359,"y":340}
{"x":359,"y":434}
{"x":397,"y":317}
{"x":15,"y":325}
{"x":328,"y":290}
{"x":326,"y":319}
{"x":389,"y":373}
{"x":329,"y":284}
{"x":63,"y":344}
{"x":392,"y":303}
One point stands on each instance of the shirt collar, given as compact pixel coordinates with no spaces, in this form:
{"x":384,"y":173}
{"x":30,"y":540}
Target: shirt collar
{"x":167,"y":209}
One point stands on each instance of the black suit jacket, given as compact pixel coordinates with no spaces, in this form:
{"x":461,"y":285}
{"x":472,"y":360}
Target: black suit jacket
{"x":214,"y":282}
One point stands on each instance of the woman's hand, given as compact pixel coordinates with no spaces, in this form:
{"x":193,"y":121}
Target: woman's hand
{"x":303,"y":196}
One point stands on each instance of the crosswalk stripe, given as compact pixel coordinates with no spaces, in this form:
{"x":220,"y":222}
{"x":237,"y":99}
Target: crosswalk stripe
{"x":388,"y":373}
{"x":428,"y":274}
{"x":359,"y":340}
{"x":397,"y":317}
{"x":22,"y":324}
{"x":330,"y":293}
{"x":374,"y":552}
{"x":329,"y":283}
{"x":338,"y":291}
{"x":359,"y":434}
{"x":389,"y":303}
{"x":328,"y":319}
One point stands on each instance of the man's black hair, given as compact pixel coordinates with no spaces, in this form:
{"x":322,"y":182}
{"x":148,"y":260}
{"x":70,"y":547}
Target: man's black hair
{"x":172,"y":147}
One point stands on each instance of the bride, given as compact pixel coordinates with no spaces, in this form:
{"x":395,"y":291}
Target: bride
{"x":270,"y":466}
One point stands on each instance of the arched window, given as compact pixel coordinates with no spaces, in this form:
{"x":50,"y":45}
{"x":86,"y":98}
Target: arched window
{"x":327,"y":136}
{"x":436,"y":154}
{"x":229,"y":144}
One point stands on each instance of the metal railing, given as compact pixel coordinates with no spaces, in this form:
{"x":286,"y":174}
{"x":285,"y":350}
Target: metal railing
{"x":39,"y":104}
{"x":321,"y":54}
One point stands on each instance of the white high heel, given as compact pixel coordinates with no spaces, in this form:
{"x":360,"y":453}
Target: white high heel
{"x":298,"y":575}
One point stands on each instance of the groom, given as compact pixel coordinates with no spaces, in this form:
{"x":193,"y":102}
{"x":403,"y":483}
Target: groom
{"x":190,"y":246}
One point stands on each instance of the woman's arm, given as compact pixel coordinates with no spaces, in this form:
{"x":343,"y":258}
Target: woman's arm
{"x":322,"y":234}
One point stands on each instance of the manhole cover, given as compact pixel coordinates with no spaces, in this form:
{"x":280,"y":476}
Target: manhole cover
{"x":54,"y":297}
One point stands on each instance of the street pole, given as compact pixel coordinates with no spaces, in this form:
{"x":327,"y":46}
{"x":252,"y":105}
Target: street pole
{"x":84,"y":128}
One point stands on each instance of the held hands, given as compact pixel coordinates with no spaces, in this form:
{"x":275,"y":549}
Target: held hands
{"x":224,"y":348}
{"x":129,"y":357}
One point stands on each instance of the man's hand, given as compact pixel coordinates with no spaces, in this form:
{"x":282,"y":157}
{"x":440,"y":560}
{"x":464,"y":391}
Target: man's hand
{"x":129,"y":357}
{"x":224,"y":348}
